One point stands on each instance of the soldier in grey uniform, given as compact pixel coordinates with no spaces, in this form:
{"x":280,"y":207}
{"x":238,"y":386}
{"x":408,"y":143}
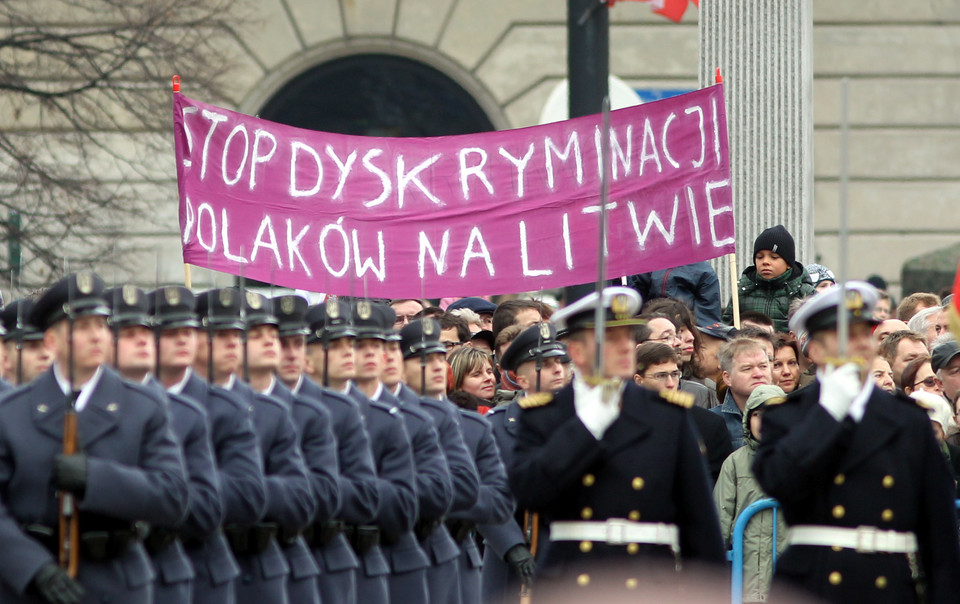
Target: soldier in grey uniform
{"x":128,"y":468}
{"x":26,"y":357}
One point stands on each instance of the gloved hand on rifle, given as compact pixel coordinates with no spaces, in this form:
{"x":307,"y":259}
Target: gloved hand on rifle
{"x":520,"y":558}
{"x":70,"y":473}
{"x":57,"y":587}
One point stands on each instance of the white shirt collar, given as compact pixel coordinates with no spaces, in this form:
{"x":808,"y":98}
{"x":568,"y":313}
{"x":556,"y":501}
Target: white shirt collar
{"x":179,"y":386}
{"x":231,"y":381}
{"x":396,"y":391}
{"x":378,"y":392}
{"x":296,"y":387}
{"x":269,"y":389}
{"x":85,"y":391}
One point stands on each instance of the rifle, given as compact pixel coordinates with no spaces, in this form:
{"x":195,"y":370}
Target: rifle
{"x":243,"y":321}
{"x":19,"y":339}
{"x":68,"y":547}
{"x":601,"y":314}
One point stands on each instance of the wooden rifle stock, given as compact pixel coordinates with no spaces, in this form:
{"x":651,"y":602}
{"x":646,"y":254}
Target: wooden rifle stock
{"x":69,"y":540}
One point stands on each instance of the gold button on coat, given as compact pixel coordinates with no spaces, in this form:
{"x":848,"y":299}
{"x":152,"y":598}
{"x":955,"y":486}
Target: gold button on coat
{"x":637,"y":483}
{"x":583,"y":580}
{"x":888,"y":482}
{"x":838,"y":511}
{"x":881,"y":582}
{"x":835,"y":578}
{"x":586,"y":546}
{"x":631,"y":583}
{"x":588,"y":480}
{"x":634,"y":515}
{"x":586,"y":513}
{"x":839,"y":479}
{"x":887,"y":515}
{"x":633,"y":548}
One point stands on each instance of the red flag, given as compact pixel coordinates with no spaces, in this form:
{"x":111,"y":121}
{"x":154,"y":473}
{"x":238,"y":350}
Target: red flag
{"x":671,"y":9}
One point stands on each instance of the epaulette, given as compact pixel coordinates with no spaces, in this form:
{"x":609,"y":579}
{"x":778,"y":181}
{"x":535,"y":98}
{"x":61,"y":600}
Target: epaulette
{"x":678,"y":398}
{"x":535,"y":400}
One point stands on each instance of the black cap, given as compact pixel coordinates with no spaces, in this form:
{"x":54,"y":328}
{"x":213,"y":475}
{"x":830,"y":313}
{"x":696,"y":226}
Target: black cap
{"x":129,"y":306}
{"x":369,"y":320}
{"x":778,"y":240}
{"x":421,"y":337}
{"x":173,"y":307}
{"x":220,"y":309}
{"x":538,"y":340}
{"x":477,"y":305}
{"x":943,"y":354}
{"x":291,"y":313}
{"x":15,"y":318}
{"x":76,"y":295}
{"x":258,"y":310}
{"x":486,"y":335}
{"x":331,"y":320}
{"x":389,"y":318}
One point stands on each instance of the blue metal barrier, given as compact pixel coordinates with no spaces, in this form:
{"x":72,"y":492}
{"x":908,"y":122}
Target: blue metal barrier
{"x":736,"y":555}
{"x":736,"y":573}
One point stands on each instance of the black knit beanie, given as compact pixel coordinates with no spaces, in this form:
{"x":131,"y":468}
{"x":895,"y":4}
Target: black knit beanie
{"x":779,"y":241}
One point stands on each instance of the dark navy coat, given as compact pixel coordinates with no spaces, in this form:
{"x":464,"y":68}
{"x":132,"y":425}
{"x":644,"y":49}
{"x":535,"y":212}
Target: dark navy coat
{"x":359,"y":493}
{"x":290,"y":501}
{"x":886,"y":471}
{"x":240,"y":478}
{"x":499,"y":583}
{"x":135,"y":473}
{"x":647,"y":467}
{"x":205,"y":512}
{"x":495,"y":503}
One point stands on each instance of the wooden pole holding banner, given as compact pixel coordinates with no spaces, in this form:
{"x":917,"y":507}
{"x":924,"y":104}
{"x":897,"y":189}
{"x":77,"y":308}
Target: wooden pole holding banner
{"x":187,"y":277}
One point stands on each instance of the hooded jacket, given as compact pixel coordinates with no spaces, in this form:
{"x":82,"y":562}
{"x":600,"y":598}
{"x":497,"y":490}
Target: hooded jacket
{"x":772,"y":297}
{"x":736,"y":489}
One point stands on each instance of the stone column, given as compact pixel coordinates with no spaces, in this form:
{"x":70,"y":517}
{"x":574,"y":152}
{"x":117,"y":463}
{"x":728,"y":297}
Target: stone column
{"x":764,"y":51}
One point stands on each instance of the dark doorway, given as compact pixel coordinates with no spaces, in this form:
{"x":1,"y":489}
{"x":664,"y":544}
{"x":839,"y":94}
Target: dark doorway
{"x":377,"y":95}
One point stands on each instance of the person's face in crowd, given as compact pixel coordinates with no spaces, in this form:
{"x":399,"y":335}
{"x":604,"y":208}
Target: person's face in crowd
{"x":882,"y":310}
{"x":927,"y":381}
{"x":662,"y":376}
{"x":907,"y":350}
{"x":786,"y":370}
{"x":33,"y":357}
{"x":950,"y":377}
{"x":551,"y":375}
{"x":663,"y":330}
{"x":769,"y":265}
{"x":486,"y":321}
{"x":91,"y":341}
{"x":178,"y":347}
{"x":434,"y":371}
{"x":750,"y":369}
{"x":825,"y":345}
{"x":939,"y":325}
{"x":392,"y":372}
{"x":480,"y":382}
{"x":263,"y":348}
{"x":756,"y":419}
{"x":293,"y":358}
{"x":368,"y":354}
{"x":886,"y":328}
{"x":340,"y":360}
{"x":450,"y":340}
{"x":618,"y":351}
{"x":525,"y":318}
{"x":405,"y":310}
{"x":882,"y":374}
{"x":748,"y":323}
{"x":709,"y":345}
{"x":686,"y":345}
{"x":823,"y":285}
{"x":136,"y":352}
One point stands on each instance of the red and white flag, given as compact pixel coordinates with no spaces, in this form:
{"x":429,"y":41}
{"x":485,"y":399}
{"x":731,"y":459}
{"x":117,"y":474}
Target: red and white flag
{"x":671,"y":9}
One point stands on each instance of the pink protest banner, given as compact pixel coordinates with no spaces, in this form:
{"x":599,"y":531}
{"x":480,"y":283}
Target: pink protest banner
{"x":490,"y":213}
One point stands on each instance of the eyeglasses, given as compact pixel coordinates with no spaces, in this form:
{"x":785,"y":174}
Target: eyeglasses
{"x":450,"y":345}
{"x":662,"y":376}
{"x":930,"y":382}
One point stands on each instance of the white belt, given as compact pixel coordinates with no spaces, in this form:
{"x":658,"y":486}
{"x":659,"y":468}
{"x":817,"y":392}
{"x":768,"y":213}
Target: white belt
{"x":617,"y":531}
{"x":864,"y":539}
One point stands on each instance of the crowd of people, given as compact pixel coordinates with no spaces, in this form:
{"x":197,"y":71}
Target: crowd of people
{"x":234,"y":447}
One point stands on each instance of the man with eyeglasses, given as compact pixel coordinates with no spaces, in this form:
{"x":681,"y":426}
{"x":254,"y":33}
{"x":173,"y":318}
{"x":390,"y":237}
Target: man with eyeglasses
{"x":406,"y":311}
{"x":658,"y":370}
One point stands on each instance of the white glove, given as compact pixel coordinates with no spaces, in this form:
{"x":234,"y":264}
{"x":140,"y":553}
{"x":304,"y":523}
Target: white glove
{"x":838,"y":388}
{"x":596,"y":408}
